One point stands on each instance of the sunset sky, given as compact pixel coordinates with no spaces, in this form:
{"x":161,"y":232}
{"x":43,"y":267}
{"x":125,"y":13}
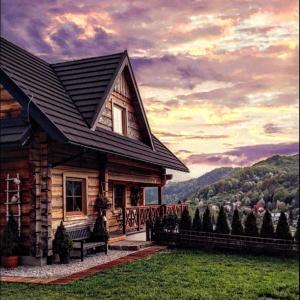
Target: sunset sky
{"x":219,"y":79}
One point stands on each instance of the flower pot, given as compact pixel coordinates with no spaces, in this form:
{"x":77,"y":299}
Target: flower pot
{"x":64,"y":258}
{"x":10,"y":262}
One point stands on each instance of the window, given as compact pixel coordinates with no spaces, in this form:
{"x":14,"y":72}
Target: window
{"x":119,"y":195}
{"x":119,"y":119}
{"x":75,"y":195}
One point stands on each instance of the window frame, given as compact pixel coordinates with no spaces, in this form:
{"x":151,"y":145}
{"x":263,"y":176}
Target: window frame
{"x":124,"y":117}
{"x":75,"y":214}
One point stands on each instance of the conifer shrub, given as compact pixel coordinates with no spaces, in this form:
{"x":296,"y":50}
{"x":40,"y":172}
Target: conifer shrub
{"x":197,"y":224}
{"x":156,"y":227}
{"x":236,"y":224}
{"x":100,"y":233}
{"x":250,"y":225}
{"x":267,"y":228}
{"x":297,"y":230}
{"x":186,"y":220}
{"x":207,"y":222}
{"x":222,"y":226}
{"x":283,"y":229}
{"x":62,"y":243}
{"x":10,"y":242}
{"x":169,"y":223}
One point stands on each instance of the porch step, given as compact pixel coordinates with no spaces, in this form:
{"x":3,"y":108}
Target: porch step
{"x":127,"y":245}
{"x":114,"y":239}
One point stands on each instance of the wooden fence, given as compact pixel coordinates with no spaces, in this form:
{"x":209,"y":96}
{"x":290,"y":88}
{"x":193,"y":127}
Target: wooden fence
{"x":204,"y":240}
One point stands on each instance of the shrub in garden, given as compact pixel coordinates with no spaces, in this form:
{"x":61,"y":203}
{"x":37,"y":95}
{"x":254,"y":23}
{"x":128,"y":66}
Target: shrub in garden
{"x":250,"y":225}
{"x":267,"y":228}
{"x":207,"y":223}
{"x":283,"y":228}
{"x":297,"y":230}
{"x":186,"y":221}
{"x":236,"y":225}
{"x":197,"y":224}
{"x":169,"y":223}
{"x":222,"y":222}
{"x":100,"y":233}
{"x":10,"y":242}
{"x":62,"y":244}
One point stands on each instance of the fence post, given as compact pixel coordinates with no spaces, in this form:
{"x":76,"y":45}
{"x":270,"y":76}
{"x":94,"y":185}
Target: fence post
{"x":148,"y":230}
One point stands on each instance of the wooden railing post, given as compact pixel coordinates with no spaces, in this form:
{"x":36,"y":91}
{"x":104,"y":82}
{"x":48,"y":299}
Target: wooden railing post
{"x":138,"y":218}
{"x":124,"y":219}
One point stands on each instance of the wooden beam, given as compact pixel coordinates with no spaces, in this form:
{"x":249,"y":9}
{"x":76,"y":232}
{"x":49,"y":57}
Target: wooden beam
{"x":160,"y":195}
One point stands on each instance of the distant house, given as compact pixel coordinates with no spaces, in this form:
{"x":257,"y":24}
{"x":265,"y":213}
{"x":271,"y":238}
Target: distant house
{"x":73,"y":132}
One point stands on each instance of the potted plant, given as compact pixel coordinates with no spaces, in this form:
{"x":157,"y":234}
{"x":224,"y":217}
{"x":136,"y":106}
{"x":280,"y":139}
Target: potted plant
{"x":10,"y":244}
{"x":62,"y":244}
{"x":101,"y":204}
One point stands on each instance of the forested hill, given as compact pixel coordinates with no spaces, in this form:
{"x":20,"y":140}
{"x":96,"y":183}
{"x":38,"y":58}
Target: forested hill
{"x":273,"y":181}
{"x":175,"y":191}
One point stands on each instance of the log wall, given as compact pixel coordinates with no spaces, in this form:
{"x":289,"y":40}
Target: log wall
{"x":15,"y":161}
{"x":124,"y":97}
{"x":9,"y":107}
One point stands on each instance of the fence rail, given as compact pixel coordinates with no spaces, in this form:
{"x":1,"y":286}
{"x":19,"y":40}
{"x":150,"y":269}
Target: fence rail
{"x":136,"y":217}
{"x":203,"y":240}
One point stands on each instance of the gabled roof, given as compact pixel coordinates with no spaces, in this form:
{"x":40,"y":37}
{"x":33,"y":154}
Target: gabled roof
{"x":90,"y":82}
{"x":86,"y":81}
{"x":55,"y":103}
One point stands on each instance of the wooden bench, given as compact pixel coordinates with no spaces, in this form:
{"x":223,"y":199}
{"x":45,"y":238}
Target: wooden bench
{"x":81,"y":237}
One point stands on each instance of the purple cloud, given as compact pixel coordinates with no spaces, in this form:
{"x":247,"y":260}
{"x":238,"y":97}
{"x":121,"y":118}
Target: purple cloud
{"x":244,"y":155}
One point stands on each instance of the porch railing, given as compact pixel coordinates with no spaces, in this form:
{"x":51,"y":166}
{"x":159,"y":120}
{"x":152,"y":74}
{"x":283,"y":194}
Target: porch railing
{"x":136,"y":217}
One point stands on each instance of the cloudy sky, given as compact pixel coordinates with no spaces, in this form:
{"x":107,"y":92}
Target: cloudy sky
{"x":219,"y":79}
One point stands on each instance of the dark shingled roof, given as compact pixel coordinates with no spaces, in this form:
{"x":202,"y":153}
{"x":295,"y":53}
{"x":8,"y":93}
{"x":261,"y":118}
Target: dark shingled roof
{"x":14,"y":132}
{"x":86,"y":80}
{"x":63,"y":98}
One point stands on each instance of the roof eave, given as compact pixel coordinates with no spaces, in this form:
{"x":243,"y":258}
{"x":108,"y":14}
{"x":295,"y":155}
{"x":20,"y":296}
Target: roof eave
{"x":183,"y":169}
{"x":39,"y":117}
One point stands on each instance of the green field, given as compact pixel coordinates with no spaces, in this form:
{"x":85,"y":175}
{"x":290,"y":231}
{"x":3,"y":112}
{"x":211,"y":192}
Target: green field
{"x":178,"y":274}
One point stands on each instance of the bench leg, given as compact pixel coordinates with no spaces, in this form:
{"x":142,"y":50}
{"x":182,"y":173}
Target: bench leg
{"x":81,"y":251}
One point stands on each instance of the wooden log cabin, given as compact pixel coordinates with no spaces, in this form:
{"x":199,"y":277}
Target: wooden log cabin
{"x":72,"y":132}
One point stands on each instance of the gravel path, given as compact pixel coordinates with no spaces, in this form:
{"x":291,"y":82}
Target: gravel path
{"x":58,"y":270}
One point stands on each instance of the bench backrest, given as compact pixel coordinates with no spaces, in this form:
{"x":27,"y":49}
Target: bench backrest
{"x":79,"y":233}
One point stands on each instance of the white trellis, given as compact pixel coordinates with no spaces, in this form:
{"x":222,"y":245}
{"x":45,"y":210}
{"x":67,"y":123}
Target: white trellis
{"x":13,"y":197}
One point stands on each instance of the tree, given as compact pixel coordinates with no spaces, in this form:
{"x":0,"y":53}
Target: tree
{"x":250,"y":225}
{"x":222,"y":222}
{"x":186,"y":221}
{"x":236,"y":225}
{"x":10,"y":243}
{"x":267,"y":228}
{"x":197,"y":224}
{"x":207,"y":224}
{"x":283,"y":229}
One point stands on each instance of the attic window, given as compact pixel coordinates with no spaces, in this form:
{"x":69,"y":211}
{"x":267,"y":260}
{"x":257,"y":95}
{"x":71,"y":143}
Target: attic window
{"x":119,"y":119}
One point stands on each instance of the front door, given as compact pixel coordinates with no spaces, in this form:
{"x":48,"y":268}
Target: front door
{"x":119,"y":195}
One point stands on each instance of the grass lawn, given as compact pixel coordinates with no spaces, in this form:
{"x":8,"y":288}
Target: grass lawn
{"x":178,"y":274}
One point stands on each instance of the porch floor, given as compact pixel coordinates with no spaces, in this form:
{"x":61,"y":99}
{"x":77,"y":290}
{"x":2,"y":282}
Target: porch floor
{"x":133,"y":242}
